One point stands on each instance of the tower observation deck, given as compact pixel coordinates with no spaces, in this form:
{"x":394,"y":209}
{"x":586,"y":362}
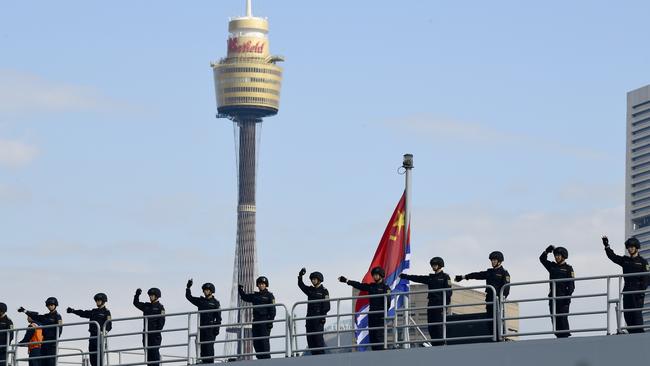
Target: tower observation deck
{"x":248,"y":80}
{"x":247,"y":85}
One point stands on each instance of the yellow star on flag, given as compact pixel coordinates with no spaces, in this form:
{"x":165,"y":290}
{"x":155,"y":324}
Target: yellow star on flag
{"x":399,"y":223}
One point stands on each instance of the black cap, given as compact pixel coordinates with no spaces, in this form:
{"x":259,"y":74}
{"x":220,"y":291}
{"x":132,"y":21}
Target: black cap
{"x":52,"y":301}
{"x":378,"y":270}
{"x":561,"y":251}
{"x":101,"y":297}
{"x":633,"y":242}
{"x":3,"y":307}
{"x":208,"y":286}
{"x":316,"y":275}
{"x":155,"y":292}
{"x":262,"y":279}
{"x":496,"y":255}
{"x":437,"y":261}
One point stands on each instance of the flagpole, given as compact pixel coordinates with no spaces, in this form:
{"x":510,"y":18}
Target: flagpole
{"x":407,"y":164}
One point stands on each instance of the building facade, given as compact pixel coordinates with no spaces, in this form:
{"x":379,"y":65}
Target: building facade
{"x":637,"y":172}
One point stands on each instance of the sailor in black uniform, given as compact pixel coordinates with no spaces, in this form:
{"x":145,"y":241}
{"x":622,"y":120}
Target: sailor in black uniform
{"x":316,"y":310}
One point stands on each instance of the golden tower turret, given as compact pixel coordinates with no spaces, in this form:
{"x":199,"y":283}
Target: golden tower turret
{"x":248,"y":80}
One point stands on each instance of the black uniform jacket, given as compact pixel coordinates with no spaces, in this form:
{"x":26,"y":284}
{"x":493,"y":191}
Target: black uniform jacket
{"x":315,"y":293}
{"x":376,"y":303}
{"x":631,"y":265}
{"x":203,"y":303}
{"x":495,"y":277}
{"x":260,"y":298}
{"x":5,"y":324}
{"x":52,"y":318}
{"x":99,"y":315}
{"x":557,"y":271}
{"x":149,"y":308}
{"x":434,"y":281}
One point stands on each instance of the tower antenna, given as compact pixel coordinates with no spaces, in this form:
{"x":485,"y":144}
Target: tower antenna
{"x":249,"y":8}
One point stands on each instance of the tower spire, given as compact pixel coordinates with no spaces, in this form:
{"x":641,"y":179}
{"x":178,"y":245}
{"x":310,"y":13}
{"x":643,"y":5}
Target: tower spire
{"x":249,"y":8}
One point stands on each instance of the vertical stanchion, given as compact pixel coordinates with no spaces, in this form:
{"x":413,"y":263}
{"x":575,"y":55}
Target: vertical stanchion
{"x":105,"y":344}
{"x":146,"y":341}
{"x":553,"y":308}
{"x":495,"y":316}
{"x":56,"y":346}
{"x":407,"y":165}
{"x":287,"y":330}
{"x":197,"y":339}
{"x":607,"y":304}
{"x":385,"y":328}
{"x":338,"y":323}
{"x":444,"y":317}
{"x":619,"y":306}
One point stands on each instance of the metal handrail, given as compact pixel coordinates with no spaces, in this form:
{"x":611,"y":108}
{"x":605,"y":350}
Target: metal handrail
{"x":12,"y":349}
{"x":617,"y":302}
{"x":338,"y":314}
{"x":395,"y":321}
{"x":192,"y":336}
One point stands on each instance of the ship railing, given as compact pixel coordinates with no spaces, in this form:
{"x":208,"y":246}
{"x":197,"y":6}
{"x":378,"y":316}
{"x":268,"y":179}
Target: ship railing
{"x":490,"y":317}
{"x":397,"y":321}
{"x":182,"y":337}
{"x":338,"y":314}
{"x":610,"y":296}
{"x":62,"y":354}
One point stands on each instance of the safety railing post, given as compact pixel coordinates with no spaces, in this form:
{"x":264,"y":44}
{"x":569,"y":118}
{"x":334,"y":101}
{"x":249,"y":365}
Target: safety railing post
{"x":619,"y":307}
{"x":146,"y":341}
{"x":287,"y":330}
{"x":394,"y":322}
{"x":608,"y":307}
{"x":385,"y":328}
{"x":495,"y":312}
{"x":99,"y":354}
{"x":240,"y":343}
{"x":444,"y":318}
{"x":338,"y":323}
{"x":105,"y":344}
{"x":294,"y":334}
{"x":56,"y":346}
{"x":407,"y":315}
{"x":197,"y":341}
{"x":554,"y":308}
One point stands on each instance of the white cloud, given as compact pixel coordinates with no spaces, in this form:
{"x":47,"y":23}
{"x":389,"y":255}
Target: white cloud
{"x":28,"y":93}
{"x":16,"y":153}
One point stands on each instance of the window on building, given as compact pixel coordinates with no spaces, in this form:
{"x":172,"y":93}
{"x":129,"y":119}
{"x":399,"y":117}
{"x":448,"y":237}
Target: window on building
{"x":641,"y":222}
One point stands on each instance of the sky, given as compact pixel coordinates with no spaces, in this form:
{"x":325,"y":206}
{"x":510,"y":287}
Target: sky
{"x":115,"y":174}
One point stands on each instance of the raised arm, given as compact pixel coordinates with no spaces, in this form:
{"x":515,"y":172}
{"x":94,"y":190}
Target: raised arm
{"x":476,"y":276}
{"x":196,"y":301}
{"x":542,"y":258}
{"x":359,"y":285}
{"x":136,"y":300}
{"x":415,"y":278}
{"x":244,"y":296}
{"x":39,"y":319}
{"x":80,"y":313}
{"x":304,"y":288}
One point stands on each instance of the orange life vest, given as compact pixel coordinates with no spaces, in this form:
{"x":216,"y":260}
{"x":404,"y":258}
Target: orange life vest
{"x":36,"y":337}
